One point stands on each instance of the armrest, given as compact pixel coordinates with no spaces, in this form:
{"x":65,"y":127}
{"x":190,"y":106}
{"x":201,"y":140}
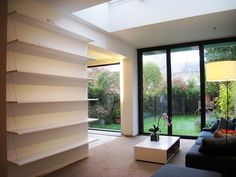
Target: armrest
{"x":207,"y":129}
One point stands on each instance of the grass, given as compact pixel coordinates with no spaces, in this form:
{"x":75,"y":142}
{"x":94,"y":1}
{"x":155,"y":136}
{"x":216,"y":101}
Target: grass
{"x":109,"y":126}
{"x":188,"y":125}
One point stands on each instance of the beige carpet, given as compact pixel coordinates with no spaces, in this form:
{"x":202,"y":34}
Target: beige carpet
{"x":116,"y":159}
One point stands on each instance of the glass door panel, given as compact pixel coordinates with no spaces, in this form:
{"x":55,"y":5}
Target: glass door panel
{"x":185,"y":75}
{"x":154,"y":90}
{"x":215,"y":92}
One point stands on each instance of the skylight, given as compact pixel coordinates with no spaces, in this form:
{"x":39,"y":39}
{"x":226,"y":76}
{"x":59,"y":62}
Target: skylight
{"x":117,"y":15}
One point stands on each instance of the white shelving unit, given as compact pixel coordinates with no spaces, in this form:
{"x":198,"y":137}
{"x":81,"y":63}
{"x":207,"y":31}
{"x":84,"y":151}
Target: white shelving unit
{"x":47,"y":52}
{"x":47,"y":104}
{"x":49,"y":127}
{"x":50,"y":75}
{"x":49,"y":101}
{"x":48,"y":26}
{"x":51,"y":152}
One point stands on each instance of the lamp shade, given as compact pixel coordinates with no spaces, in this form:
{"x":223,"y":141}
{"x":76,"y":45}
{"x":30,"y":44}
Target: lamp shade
{"x":221,"y":71}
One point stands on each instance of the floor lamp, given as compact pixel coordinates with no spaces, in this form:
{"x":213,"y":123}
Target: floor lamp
{"x":222,"y":71}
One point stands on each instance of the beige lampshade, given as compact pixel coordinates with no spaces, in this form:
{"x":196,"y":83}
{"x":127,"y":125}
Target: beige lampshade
{"x":221,"y":71}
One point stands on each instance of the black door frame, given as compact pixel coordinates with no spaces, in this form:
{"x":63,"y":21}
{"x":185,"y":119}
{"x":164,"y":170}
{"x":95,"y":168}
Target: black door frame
{"x":200,"y":45}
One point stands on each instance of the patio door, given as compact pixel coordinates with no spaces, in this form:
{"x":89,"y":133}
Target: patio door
{"x":171,"y":84}
{"x":154,"y":88}
{"x":185,"y":91}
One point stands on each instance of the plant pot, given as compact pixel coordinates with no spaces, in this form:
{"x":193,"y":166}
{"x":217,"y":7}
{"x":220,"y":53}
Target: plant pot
{"x":154,"y":137}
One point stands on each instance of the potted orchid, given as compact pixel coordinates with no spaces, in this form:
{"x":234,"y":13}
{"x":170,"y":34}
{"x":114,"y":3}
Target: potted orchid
{"x":156,"y":129}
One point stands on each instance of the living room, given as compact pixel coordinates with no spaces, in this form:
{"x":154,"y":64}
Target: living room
{"x":162,"y":60}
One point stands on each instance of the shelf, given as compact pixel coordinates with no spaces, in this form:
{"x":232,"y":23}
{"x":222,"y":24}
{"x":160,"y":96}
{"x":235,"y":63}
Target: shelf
{"x":48,"y":26}
{"x":37,"y":49}
{"x":25,"y":102}
{"x":49,"y":75}
{"x":51,"y":152}
{"x":38,"y":129}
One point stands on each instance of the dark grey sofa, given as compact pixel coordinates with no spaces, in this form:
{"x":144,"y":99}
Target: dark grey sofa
{"x":169,"y":170}
{"x":223,"y":163}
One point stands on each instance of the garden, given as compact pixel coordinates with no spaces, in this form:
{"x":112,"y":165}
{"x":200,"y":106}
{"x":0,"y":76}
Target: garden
{"x":106,"y":88}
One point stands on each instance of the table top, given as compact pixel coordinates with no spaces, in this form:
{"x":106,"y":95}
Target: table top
{"x":164,"y":143}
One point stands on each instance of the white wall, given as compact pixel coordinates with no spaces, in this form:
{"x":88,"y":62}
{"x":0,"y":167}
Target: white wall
{"x":129,"y":97}
{"x":101,"y":39}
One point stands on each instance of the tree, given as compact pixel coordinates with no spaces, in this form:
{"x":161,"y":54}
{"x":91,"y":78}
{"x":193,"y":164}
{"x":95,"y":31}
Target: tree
{"x":220,"y":53}
{"x":151,"y":79}
{"x":152,"y":87}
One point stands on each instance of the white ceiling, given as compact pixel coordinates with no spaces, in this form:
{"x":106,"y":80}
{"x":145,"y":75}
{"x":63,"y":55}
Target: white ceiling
{"x":211,"y":26}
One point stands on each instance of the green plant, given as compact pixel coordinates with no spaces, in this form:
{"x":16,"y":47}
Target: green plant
{"x":222,"y":100}
{"x":152,"y":78}
{"x":212,"y":88}
{"x":156,"y":127}
{"x":106,"y":89}
{"x":220,"y":53}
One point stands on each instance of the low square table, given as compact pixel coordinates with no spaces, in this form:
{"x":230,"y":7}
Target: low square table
{"x":157,"y":151}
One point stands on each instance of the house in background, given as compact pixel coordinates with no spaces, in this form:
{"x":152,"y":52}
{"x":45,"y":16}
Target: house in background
{"x":110,"y":32}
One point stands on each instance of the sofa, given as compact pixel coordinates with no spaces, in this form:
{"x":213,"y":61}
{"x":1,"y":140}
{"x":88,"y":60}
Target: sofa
{"x":170,"y":170}
{"x":212,"y":153}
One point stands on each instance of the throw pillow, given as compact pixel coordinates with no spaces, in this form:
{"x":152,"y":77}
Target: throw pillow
{"x":222,"y":132}
{"x":223,"y":124}
{"x":219,"y":146}
{"x":218,"y":134}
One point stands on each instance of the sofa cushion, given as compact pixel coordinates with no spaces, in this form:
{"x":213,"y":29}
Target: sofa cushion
{"x":218,"y":146}
{"x":199,"y":141}
{"x":196,"y":159}
{"x":223,"y":124}
{"x":206,"y":134}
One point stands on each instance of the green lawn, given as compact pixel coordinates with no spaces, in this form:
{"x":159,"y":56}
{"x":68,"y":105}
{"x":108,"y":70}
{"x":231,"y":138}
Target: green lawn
{"x":109,"y":126}
{"x":182,"y":125}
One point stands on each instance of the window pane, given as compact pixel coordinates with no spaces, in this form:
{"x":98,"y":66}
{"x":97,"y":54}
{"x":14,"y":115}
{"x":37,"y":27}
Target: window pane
{"x":185,"y":91}
{"x":154,"y":89}
{"x":215,"y":92}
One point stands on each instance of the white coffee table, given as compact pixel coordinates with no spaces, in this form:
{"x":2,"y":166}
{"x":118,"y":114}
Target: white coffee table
{"x":157,"y":151}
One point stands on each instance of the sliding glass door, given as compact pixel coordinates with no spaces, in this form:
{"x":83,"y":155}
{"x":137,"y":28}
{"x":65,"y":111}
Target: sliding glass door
{"x":172,"y":81}
{"x":185,"y":91}
{"x":215,"y":92}
{"x":182,"y":90}
{"x":154,"y":89}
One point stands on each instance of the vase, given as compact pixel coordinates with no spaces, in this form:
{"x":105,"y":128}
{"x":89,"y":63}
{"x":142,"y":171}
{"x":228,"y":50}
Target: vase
{"x":154,"y":136}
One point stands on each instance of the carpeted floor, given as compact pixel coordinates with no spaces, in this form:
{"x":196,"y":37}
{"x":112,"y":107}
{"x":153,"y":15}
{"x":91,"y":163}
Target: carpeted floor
{"x":116,"y":159}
